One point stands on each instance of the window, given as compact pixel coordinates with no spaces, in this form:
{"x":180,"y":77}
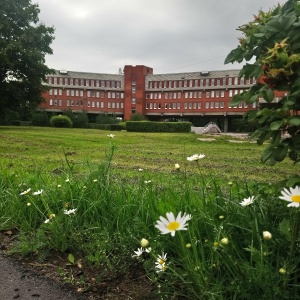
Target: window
{"x":222,"y":104}
{"x":50,"y":80}
{"x":76,"y":81}
{"x":109,"y":95}
{"x":178,"y":105}
{"x":206,"y":105}
{"x":71,"y":81}
{"x":87,"y":82}
{"x":133,"y":89}
{"x":207,"y":94}
{"x":190,"y":105}
{"x":102,"y":83}
{"x":107,"y":83}
{"x":217,"y":94}
{"x":212,"y":104}
{"x":195,"y":94}
{"x":68,"y":102}
{"x":229,"y":81}
{"x":212,"y":81}
{"x":191,"y":94}
{"x":166,"y":95}
{"x":185,"y":105}
{"x":89,"y":93}
{"x":218,"y":81}
{"x":200,"y":94}
{"x":108,"y":105}
{"x":222,"y":93}
{"x":199,"y":105}
{"x":55,"y":92}
{"x":230,"y":93}
{"x":174,"y":105}
{"x":60,"y":81}
{"x":77,"y":93}
{"x":113,"y":95}
{"x":50,"y":102}
{"x":179,"y":95}
{"x":55,"y":80}
{"x":236,"y":80}
{"x":133,"y":100}
{"x":113,"y":105}
{"x":66,"y":81}
{"x":224,"y":81}
{"x":81,"y":93}
{"x":155,"y":105}
{"x":92,"y":83}
{"x":216,"y":104}
{"x":51,"y":92}
{"x":102,"y":104}
{"x":72,"y":92}
{"x":147,"y":105}
{"x":212,"y":94}
{"x":186,"y":95}
{"x":93,"y":103}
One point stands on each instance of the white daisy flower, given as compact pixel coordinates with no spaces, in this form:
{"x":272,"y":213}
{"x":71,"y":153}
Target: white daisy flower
{"x":292,"y":195}
{"x":140,"y":169}
{"x":247,"y":201}
{"x":70,"y":211}
{"x":25,"y":192}
{"x":138,"y":253}
{"x":147,"y":181}
{"x":148,"y":250}
{"x":195,"y":157}
{"x":47,"y":221}
{"x":171,"y":225}
{"x":111,"y":136}
{"x":39,"y":192}
{"x":177,"y":166}
{"x":161,"y":259}
{"x":160,"y":268}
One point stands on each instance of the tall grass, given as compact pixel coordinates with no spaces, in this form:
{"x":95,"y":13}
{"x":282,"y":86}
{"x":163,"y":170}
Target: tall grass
{"x":223,"y":254}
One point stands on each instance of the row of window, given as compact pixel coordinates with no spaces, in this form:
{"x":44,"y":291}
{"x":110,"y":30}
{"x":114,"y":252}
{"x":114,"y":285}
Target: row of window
{"x":193,"y":94}
{"x":97,"y":104}
{"x":200,"y":82}
{"x":84,"y":82}
{"x":194,"y":105}
{"x":80,"y":93}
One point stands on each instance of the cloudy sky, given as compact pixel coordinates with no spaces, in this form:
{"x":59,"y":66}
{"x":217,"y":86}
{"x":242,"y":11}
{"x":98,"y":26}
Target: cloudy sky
{"x":171,"y":36}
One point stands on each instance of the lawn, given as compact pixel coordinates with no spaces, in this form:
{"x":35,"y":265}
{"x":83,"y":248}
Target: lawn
{"x":113,"y":217}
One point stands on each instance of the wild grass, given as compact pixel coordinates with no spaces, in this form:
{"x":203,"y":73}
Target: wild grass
{"x":120,"y":188}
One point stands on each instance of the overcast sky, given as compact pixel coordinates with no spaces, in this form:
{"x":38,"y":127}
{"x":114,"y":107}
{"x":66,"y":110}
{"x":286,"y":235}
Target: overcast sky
{"x":171,"y":36}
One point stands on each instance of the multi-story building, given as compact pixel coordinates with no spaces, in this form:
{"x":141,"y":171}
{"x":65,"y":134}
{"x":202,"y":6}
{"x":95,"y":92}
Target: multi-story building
{"x":182,"y":96}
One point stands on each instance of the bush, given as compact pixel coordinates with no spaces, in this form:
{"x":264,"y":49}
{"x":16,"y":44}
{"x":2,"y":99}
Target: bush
{"x":79,"y":119}
{"x":137,"y":117}
{"x":61,"y":121}
{"x":40,"y":118}
{"x":112,"y":127}
{"x":148,"y":126}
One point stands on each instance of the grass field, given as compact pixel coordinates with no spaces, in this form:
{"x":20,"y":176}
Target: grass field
{"x":117,"y":212}
{"x":31,"y":147}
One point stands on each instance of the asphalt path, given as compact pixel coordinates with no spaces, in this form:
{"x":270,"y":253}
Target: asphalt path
{"x":17,"y":282}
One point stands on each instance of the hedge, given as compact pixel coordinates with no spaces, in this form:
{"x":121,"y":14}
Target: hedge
{"x":150,"y":126}
{"x":112,"y":127}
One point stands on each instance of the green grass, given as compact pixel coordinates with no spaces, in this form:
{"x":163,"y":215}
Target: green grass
{"x":117,"y":205}
{"x":29,"y":147}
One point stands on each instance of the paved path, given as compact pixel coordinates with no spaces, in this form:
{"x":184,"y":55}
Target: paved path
{"x":17,"y":282}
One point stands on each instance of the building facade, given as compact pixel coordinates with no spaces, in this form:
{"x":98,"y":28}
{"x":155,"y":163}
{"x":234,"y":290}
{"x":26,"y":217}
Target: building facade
{"x":179,"y":96}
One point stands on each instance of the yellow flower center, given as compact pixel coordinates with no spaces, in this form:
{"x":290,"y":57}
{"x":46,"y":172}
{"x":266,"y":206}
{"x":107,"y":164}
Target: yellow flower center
{"x":161,"y":261}
{"x":296,"y":198}
{"x":173,"y":225}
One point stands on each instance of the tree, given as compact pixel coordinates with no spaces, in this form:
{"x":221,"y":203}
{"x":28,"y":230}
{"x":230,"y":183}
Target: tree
{"x":24,"y":42}
{"x":272,"y":40}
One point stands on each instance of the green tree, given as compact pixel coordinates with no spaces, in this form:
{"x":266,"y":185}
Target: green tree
{"x":272,"y":41}
{"x":24,"y":42}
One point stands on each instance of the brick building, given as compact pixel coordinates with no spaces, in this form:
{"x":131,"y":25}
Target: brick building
{"x":192,"y":96}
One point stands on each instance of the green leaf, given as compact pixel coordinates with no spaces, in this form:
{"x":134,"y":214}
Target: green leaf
{"x":236,"y":55}
{"x":293,"y":181}
{"x":294,"y":121}
{"x":267,"y":153}
{"x":281,"y":152}
{"x":71,"y":258}
{"x":293,"y":155}
{"x":275,"y":125}
{"x":237,"y":99}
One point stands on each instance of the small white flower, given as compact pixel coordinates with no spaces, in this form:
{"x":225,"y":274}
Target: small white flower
{"x":171,"y":225}
{"x":70,"y":211}
{"x":146,"y":182}
{"x":148,"y":250}
{"x":195,"y":157}
{"x":140,"y":169}
{"x":112,"y":136}
{"x":39,"y":192}
{"x":47,"y":221}
{"x":138,"y":253}
{"x":95,"y":180}
{"x":25,"y":192}
{"x":224,"y":241}
{"x":247,"y":201}
{"x":59,"y":186}
{"x":161,"y":259}
{"x":292,"y":195}
{"x":160,"y":268}
{"x":177,"y":166}
{"x":67,"y":180}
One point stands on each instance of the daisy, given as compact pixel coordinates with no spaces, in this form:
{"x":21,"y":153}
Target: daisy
{"x":161,"y":259}
{"x":146,"y":182}
{"x":111,"y":136}
{"x":171,"y":225}
{"x":247,"y":201}
{"x":292,"y":195}
{"x":160,"y":268}
{"x":138,"y":253}
{"x":25,"y":192}
{"x":70,"y":211}
{"x":177,"y":166}
{"x":47,"y":221}
{"x":195,"y":157}
{"x":39,"y":192}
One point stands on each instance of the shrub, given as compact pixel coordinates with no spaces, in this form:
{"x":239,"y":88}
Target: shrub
{"x":79,"y":119}
{"x":137,"y":117}
{"x":40,"y":118}
{"x":61,"y":121}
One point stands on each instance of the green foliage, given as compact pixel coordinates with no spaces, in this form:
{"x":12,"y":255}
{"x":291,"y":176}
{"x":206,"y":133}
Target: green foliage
{"x":272,"y":39}
{"x":61,"y":121}
{"x":40,"y":118}
{"x":79,"y":119}
{"x":106,"y":119}
{"x":148,"y":126}
{"x":137,"y":117}
{"x":24,"y":42}
{"x":112,"y":127}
